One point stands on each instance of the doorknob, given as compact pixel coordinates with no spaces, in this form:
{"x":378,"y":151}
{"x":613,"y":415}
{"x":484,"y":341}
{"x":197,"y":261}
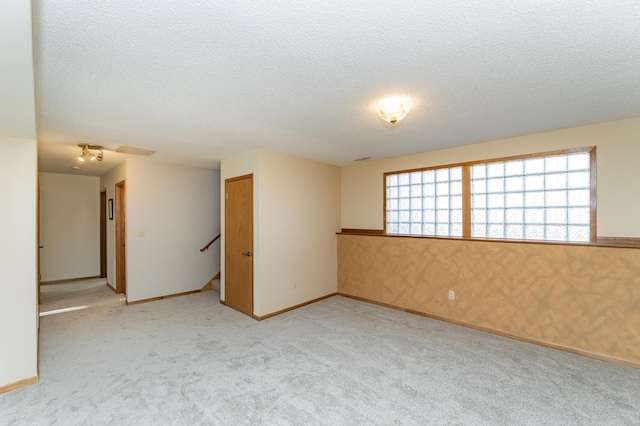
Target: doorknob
{"x":248,"y":254}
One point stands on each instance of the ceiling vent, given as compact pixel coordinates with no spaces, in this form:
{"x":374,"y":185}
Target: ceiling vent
{"x":135,"y":151}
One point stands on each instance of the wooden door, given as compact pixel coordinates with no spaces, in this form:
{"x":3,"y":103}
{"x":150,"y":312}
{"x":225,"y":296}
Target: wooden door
{"x":239,"y":244}
{"x":103,"y":233}
{"x":121,"y":258}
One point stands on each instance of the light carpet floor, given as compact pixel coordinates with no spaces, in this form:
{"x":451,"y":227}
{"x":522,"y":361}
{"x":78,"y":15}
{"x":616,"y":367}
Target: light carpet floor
{"x":191,"y":361}
{"x":90,"y":293}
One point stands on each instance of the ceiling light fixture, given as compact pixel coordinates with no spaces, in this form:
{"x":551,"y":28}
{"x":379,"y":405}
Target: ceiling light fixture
{"x":393,"y":109}
{"x":87,"y":154}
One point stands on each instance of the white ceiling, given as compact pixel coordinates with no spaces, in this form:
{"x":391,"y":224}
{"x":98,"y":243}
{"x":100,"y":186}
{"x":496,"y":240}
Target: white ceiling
{"x":199,"y":81}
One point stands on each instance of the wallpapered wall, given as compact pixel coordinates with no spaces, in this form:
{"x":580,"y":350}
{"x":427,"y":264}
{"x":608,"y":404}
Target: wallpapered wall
{"x":584,"y":298}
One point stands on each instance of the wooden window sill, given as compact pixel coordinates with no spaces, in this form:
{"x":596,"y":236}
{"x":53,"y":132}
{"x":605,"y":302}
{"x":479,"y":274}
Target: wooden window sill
{"x":618,"y":242}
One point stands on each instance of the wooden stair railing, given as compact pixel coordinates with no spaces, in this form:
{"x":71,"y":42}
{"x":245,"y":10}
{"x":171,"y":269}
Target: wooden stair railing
{"x":210,"y":242}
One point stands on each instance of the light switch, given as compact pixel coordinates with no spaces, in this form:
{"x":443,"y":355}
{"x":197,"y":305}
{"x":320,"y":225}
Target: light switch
{"x":140,"y":233}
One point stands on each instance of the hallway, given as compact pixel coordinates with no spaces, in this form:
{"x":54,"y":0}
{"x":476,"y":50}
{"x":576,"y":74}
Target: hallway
{"x":77,"y":295}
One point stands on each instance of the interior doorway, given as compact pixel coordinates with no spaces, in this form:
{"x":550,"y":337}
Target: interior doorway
{"x":121,"y":257}
{"x":239,"y":244}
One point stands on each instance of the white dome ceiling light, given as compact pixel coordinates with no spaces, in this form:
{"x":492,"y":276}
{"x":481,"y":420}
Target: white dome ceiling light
{"x":393,"y":109}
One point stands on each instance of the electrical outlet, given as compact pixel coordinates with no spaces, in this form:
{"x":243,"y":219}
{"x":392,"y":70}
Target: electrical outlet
{"x":452,"y":294}
{"x":140,"y":233}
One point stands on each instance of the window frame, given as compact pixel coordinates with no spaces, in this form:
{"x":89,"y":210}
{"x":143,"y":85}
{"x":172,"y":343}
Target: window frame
{"x":466,"y":193}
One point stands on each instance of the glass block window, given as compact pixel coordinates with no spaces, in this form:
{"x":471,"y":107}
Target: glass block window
{"x":546,"y":196}
{"x":543,"y":198}
{"x":427,"y":202}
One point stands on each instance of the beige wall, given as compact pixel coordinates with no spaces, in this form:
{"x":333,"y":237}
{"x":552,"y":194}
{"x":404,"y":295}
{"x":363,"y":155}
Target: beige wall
{"x":299,"y":215}
{"x":17,"y":99}
{"x":18,"y":267}
{"x":69,"y":226}
{"x":618,"y":154}
{"x":18,"y":186}
{"x":172,"y":212}
{"x":296,"y":216}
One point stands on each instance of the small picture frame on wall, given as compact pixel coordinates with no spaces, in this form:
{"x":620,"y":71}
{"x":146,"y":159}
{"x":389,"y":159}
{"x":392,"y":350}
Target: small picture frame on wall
{"x":110,"y":208}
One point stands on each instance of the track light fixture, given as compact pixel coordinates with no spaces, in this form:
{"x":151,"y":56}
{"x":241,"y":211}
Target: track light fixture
{"x":88,"y":155}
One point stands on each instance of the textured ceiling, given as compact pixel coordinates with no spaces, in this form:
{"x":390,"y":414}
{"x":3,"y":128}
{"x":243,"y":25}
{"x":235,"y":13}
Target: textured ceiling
{"x":200,"y":81}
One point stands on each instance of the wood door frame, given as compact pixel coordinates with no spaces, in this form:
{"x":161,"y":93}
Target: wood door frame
{"x":103,"y":233}
{"x":39,"y":247}
{"x":121,"y":227}
{"x":233,"y":179}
